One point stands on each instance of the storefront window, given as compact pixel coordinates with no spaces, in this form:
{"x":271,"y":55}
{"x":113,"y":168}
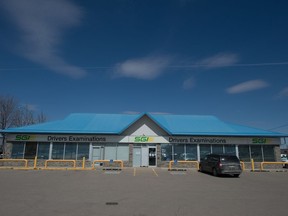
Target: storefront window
{"x":43,"y":150}
{"x":123,"y":152}
{"x":217,"y":149}
{"x":256,"y":153}
{"x":17,"y":151}
{"x":191,"y":152}
{"x":179,"y":152}
{"x":166,"y":152}
{"x":204,"y":150}
{"x":268,"y":153}
{"x":57,"y":151}
{"x":230,"y":149}
{"x":30,"y":150}
{"x":83,"y":151}
{"x":244,"y":152}
{"x":70,"y":151}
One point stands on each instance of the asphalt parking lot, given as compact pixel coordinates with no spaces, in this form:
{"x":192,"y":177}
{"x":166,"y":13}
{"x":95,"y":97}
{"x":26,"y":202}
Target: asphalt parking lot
{"x":141,"y":192}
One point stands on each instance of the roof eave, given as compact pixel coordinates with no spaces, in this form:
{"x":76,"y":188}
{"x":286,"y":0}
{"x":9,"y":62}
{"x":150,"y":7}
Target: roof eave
{"x":61,"y":132}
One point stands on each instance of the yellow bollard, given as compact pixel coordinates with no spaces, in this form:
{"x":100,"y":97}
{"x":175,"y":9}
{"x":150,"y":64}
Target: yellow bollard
{"x":243,"y":165}
{"x":83,"y":163}
{"x":261,"y":166}
{"x":252,"y":165}
{"x":35,"y":162}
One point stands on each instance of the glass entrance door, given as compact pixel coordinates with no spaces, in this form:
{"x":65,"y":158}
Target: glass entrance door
{"x":152,"y":156}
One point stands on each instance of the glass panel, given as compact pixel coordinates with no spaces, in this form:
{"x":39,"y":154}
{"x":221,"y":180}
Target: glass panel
{"x":57,"y":150}
{"x":30,"y":150}
{"x":191,"y":152}
{"x":152,"y":156}
{"x":230,"y":149}
{"x":244,"y":152}
{"x":217,"y":149}
{"x":268,"y":153}
{"x":179,"y":152}
{"x":166,"y":152}
{"x":110,"y":152}
{"x":17,"y":150}
{"x":70,"y":151}
{"x":204,"y":150}
{"x":256,"y":153}
{"x":43,"y":150}
{"x":123,"y":152}
{"x":83,"y":151}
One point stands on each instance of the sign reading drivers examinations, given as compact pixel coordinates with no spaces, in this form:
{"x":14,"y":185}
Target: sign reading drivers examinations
{"x":142,"y":139}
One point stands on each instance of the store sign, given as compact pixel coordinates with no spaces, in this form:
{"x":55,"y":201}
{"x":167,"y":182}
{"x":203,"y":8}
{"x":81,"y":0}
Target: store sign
{"x":143,"y":139}
{"x":259,"y":140}
{"x":224,"y":140}
{"x":23,"y":137}
{"x":76,"y":139}
{"x":57,"y":138}
{"x":197,"y":140}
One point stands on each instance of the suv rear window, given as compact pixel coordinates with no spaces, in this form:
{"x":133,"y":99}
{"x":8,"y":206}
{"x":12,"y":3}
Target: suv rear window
{"x":229,"y":159}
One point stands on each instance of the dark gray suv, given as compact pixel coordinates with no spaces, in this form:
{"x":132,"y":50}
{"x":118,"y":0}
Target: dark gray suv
{"x":220,"y":164}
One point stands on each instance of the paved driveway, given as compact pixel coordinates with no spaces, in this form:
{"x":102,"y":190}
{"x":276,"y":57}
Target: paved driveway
{"x":141,"y":192}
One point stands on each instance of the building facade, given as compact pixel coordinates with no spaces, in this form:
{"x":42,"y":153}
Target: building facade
{"x":141,"y":140}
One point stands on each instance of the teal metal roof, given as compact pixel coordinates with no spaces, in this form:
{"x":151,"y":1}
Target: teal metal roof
{"x":82,"y":124}
{"x":117,"y":123}
{"x":205,"y":125}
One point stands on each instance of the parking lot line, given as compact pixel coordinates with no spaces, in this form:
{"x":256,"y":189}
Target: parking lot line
{"x":155,"y":172}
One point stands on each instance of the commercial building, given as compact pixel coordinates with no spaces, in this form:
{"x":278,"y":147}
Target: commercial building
{"x":141,"y":139}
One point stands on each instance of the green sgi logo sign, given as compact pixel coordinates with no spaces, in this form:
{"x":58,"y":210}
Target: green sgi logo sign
{"x":22,"y":137}
{"x":143,"y":139}
{"x":259,"y":140}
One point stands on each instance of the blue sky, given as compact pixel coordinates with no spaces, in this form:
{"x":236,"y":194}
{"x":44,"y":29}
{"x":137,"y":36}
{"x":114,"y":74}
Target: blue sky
{"x":204,"y":57}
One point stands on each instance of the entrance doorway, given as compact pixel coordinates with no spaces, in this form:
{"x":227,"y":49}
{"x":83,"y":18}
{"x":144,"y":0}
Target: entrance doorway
{"x":144,"y":156}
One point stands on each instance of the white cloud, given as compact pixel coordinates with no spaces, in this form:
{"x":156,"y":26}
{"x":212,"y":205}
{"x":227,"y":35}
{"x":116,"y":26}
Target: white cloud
{"x":284,"y":92}
{"x":41,"y":24}
{"x":247,"y":86}
{"x":146,"y":68}
{"x":189,"y":83}
{"x":219,"y":60}
{"x":151,"y":67}
{"x":215,"y":61}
